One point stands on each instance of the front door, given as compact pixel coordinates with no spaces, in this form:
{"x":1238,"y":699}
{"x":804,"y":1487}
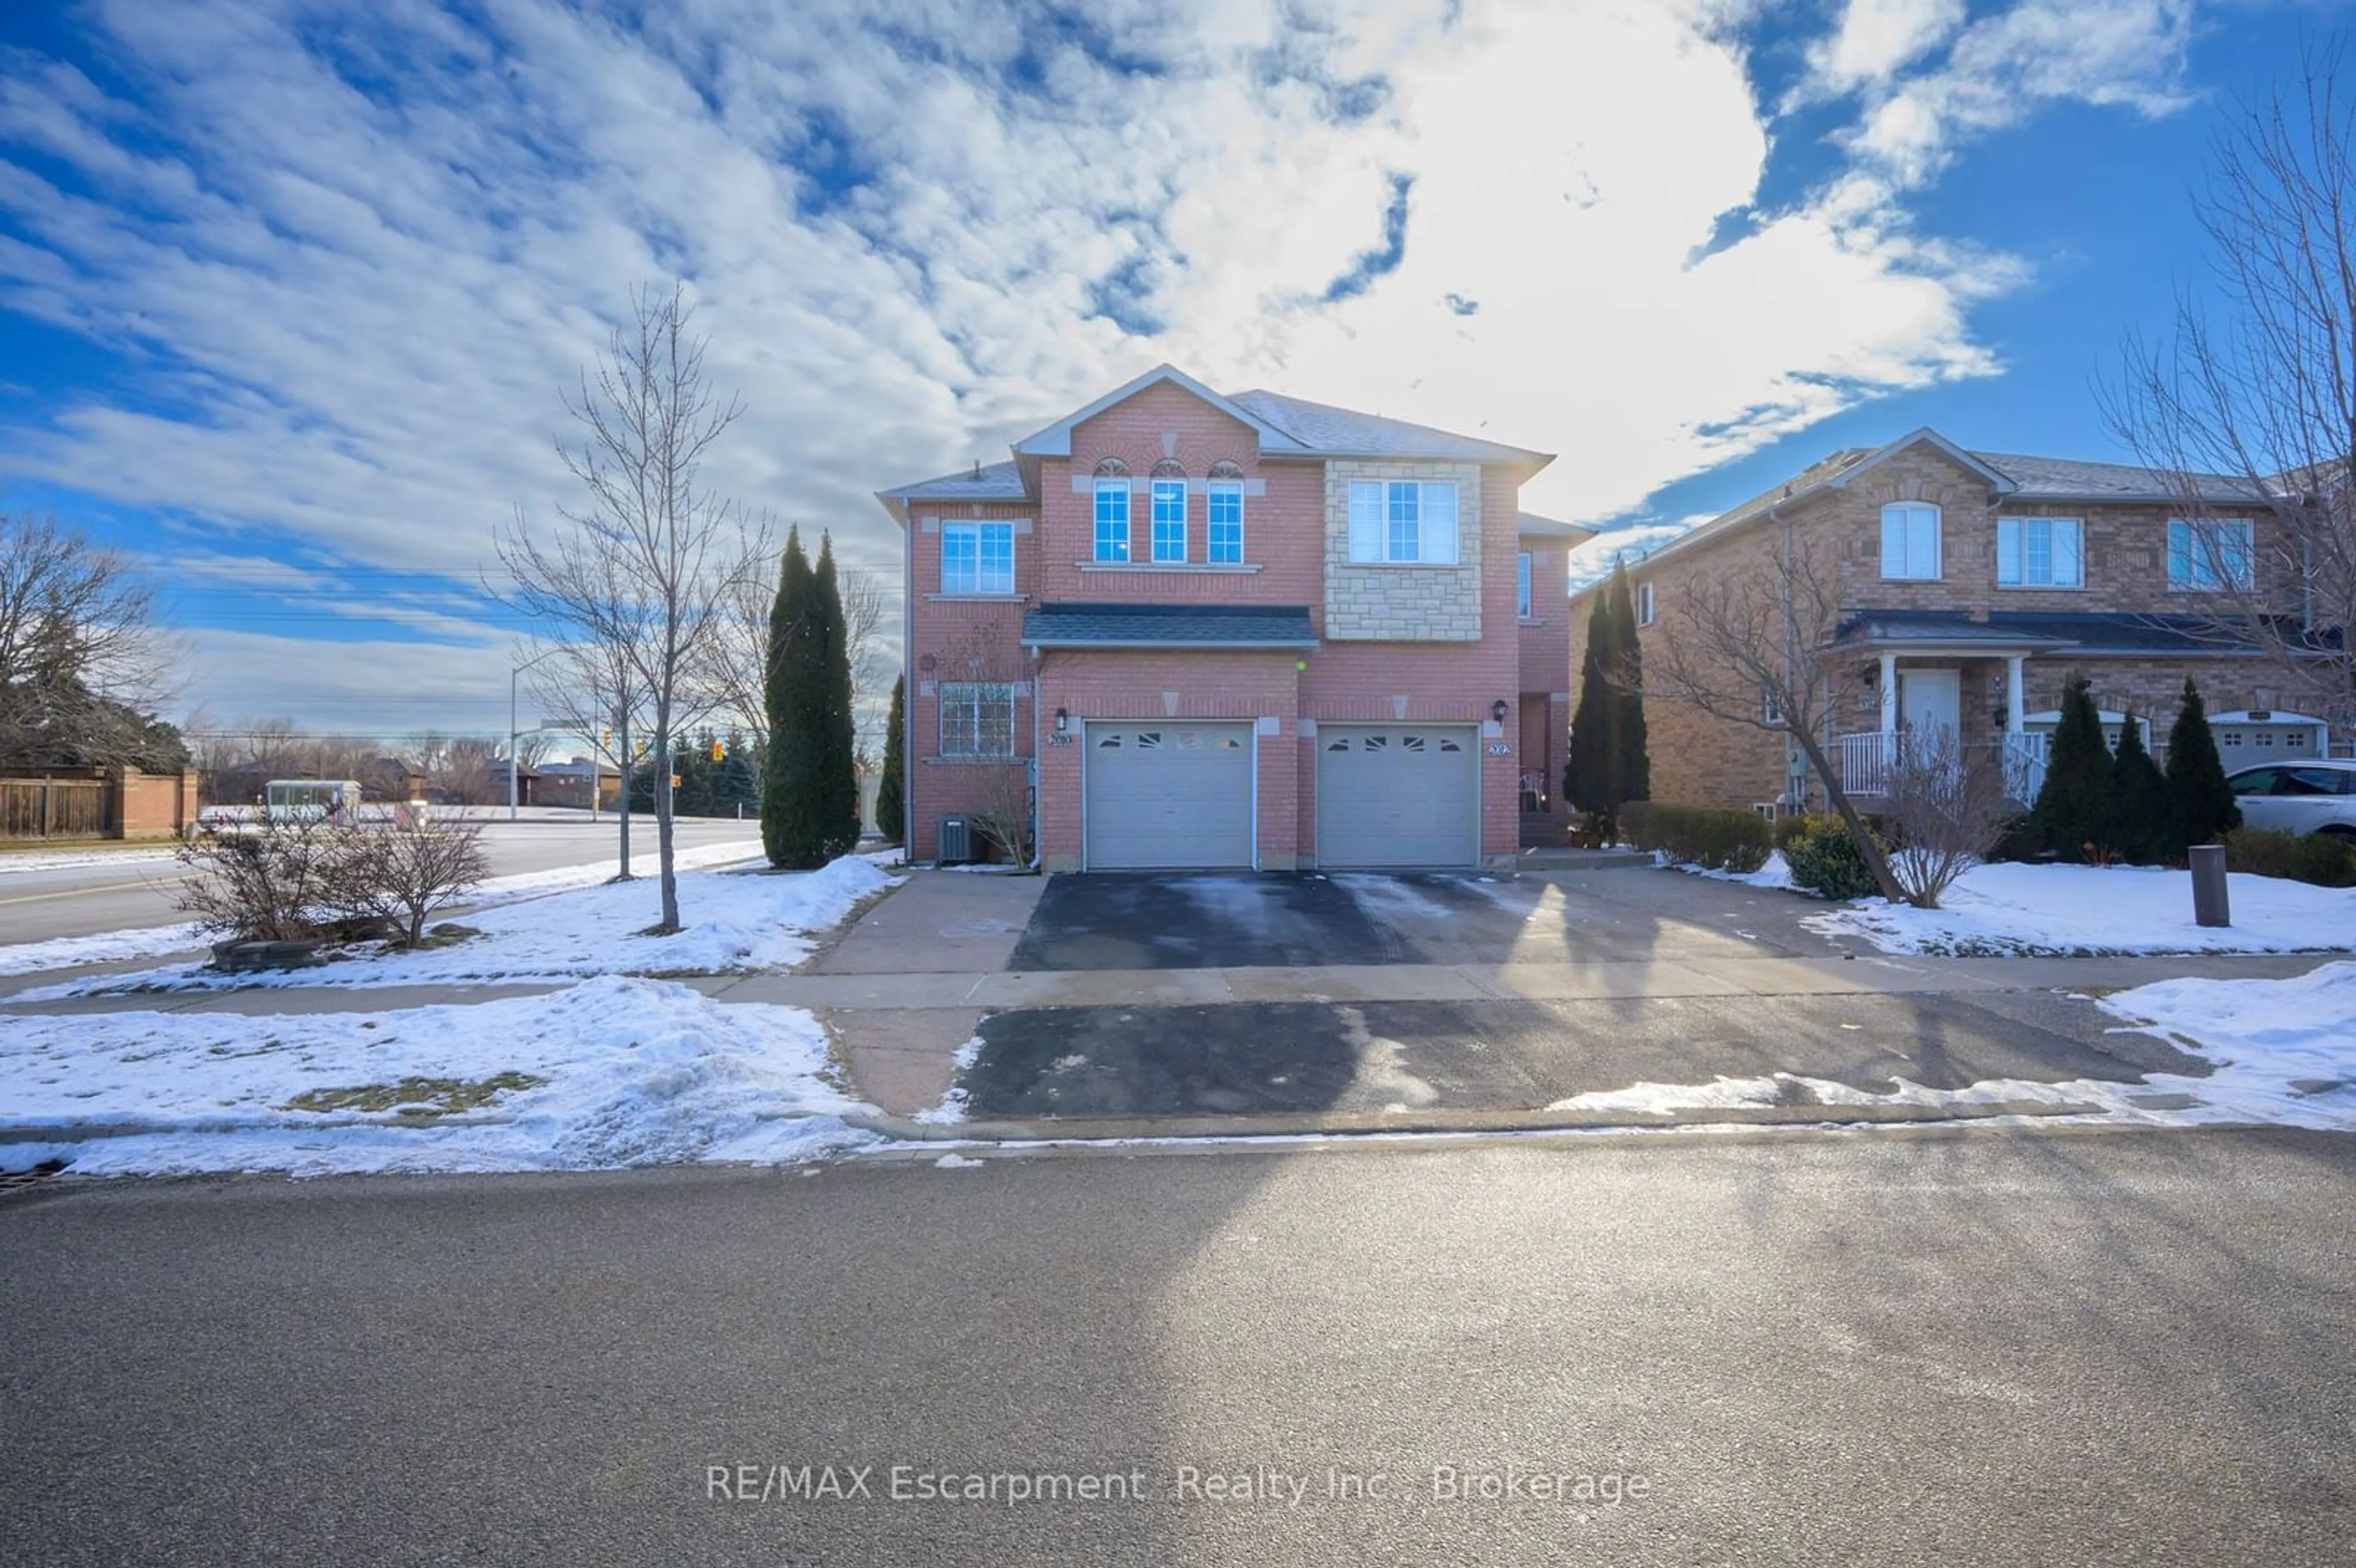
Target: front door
{"x":1930,"y":703}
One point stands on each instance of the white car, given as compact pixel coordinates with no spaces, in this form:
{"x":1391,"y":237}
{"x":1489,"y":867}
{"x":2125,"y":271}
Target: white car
{"x":2314,"y":796}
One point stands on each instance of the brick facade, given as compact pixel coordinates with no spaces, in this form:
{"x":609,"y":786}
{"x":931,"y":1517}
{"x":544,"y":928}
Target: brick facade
{"x":1697,"y":757}
{"x":1414,"y":650}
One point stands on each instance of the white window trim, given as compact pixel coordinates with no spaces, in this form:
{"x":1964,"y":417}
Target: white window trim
{"x":1769,"y":713}
{"x":2194,"y":527}
{"x":1938,"y":544}
{"x":2020,"y":550}
{"x":1424,"y":534}
{"x":952,"y":695}
{"x":1221,"y":488}
{"x":1525,"y":573}
{"x":1127,"y":521}
{"x":980,"y":587}
{"x":1153,"y":522}
{"x":1643,"y":597}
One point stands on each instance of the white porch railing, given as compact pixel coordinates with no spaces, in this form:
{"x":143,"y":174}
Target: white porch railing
{"x":1866,"y":757}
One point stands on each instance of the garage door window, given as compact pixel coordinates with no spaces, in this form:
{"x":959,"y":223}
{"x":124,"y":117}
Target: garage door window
{"x":977,"y":720}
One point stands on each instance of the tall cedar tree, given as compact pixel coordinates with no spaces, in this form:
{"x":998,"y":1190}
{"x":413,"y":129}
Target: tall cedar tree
{"x":2072,"y":811}
{"x":1634,"y":768}
{"x":891,"y":805}
{"x":791,"y":834}
{"x":1587,"y":775}
{"x":837,"y":784}
{"x":2140,"y":819}
{"x":2200,"y":803}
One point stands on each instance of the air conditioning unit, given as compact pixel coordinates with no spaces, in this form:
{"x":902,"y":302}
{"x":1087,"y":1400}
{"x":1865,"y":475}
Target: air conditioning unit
{"x":956,"y":841}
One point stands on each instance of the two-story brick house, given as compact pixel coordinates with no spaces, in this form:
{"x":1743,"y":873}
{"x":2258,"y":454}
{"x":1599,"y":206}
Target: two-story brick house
{"x":1245,"y":631}
{"x":1971,"y":586}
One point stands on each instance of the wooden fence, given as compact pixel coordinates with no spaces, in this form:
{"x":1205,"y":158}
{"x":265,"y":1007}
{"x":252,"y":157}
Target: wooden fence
{"x":56,"y":808}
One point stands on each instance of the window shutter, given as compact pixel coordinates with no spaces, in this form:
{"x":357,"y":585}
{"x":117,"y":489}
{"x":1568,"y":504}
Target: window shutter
{"x":1366,"y":521}
{"x":2007,"y":550}
{"x":1439,"y":524}
{"x":2069,"y":560}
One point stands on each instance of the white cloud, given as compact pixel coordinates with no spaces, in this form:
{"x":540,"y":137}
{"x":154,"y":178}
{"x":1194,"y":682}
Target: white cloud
{"x":354,"y":289}
{"x":1592,"y":560}
{"x":1875,"y":38}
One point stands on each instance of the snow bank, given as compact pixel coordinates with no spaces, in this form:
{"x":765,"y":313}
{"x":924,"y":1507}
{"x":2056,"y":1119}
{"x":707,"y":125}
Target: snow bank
{"x":634,"y":1072}
{"x":732,"y":920}
{"x":1773,"y":874}
{"x":2009,"y":908}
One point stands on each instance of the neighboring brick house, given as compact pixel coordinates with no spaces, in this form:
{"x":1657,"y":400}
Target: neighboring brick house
{"x":1244,"y":630}
{"x":1971,"y":587}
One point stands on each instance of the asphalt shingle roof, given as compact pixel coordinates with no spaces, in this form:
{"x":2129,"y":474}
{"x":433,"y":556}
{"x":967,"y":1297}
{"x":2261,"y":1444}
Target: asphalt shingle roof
{"x":1167,"y":625}
{"x":1326,"y":429}
{"x":2068,"y":477}
{"x":2082,"y":632}
{"x":989,"y":482}
{"x":1529,"y":524}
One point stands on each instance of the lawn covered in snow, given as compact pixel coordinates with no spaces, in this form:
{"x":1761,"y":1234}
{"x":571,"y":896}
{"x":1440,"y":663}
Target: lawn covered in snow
{"x":610,"y":1073}
{"x":2077,"y":910}
{"x":735,"y":919}
{"x":157,"y":941}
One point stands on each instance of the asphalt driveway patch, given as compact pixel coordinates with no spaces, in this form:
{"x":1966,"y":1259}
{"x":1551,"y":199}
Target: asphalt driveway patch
{"x":1244,"y":1058}
{"x":1160,"y":920}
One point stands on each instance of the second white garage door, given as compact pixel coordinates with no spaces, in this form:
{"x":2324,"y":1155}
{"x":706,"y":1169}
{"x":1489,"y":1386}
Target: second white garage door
{"x":1176,"y":796}
{"x":1399,"y":796}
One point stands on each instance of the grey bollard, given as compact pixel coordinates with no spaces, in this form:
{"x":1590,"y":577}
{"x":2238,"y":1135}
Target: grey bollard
{"x":2209,"y":902}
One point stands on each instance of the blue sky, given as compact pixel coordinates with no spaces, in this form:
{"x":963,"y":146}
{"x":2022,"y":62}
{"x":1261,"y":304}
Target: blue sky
{"x":288,"y":292}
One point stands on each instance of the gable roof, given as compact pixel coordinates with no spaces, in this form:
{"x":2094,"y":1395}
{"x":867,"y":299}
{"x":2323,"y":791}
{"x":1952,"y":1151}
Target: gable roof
{"x":2064,"y":478}
{"x":1529,"y":524}
{"x":1323,"y":431}
{"x":1055,"y":441}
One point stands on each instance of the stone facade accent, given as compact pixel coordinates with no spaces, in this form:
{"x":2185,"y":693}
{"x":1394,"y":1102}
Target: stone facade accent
{"x":1402,"y":604}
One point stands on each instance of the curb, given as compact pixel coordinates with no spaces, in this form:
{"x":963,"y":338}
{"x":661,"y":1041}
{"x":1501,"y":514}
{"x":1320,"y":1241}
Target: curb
{"x":1348,"y":1125}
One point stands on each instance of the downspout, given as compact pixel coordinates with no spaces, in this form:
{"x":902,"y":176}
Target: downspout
{"x":1038,"y":770}
{"x":908,"y":698}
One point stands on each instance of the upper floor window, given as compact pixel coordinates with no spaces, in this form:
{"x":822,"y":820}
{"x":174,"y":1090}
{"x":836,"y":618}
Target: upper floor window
{"x":1403,"y":520}
{"x":1522,"y":585}
{"x":1909,"y":540}
{"x":1643,"y":603}
{"x":1112,"y":519}
{"x":1170,"y":519}
{"x":1225,"y":510}
{"x":977,"y":720}
{"x":2208,"y":555}
{"x":977,"y":558}
{"x":2039,"y":552}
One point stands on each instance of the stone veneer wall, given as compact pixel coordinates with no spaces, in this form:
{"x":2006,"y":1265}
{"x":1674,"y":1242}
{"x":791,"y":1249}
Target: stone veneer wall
{"x":1399,"y":603}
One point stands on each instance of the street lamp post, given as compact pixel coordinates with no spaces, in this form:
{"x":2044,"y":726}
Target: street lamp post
{"x":515,"y":736}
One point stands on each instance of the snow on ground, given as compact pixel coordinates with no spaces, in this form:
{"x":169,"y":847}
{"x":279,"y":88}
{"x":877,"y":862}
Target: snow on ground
{"x":159,"y":941}
{"x":1773,"y":874}
{"x":2011,"y":908}
{"x":734,"y":920}
{"x":2283,"y":1051}
{"x":74,"y":859}
{"x":614,"y":1072}
{"x":954,"y":1104}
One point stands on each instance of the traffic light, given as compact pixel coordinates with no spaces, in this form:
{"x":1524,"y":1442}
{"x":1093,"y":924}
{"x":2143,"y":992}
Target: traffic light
{"x":719,"y":750}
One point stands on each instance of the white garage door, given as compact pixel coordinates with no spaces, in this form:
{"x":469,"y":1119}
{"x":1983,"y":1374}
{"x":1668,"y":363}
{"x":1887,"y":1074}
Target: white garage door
{"x":1398,"y":794}
{"x":1174,"y":794}
{"x":2241,"y":744}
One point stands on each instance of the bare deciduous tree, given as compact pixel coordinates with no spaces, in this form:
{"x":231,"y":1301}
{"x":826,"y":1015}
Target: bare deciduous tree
{"x":1748,"y":647}
{"x":1946,"y":810}
{"x":741,"y":652}
{"x":647,"y":564}
{"x":82,"y":662}
{"x":2251,"y":406}
{"x":404,"y":871}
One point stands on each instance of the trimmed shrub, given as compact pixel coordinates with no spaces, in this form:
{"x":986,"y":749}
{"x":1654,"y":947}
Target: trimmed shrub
{"x":2202,"y":804}
{"x":1824,"y":858}
{"x":2323,"y":858}
{"x":2142,"y":819}
{"x":2074,"y":807}
{"x":1717,"y":838}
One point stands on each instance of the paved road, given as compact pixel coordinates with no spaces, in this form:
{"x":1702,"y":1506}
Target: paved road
{"x":1899,"y":1348}
{"x":126,"y":890}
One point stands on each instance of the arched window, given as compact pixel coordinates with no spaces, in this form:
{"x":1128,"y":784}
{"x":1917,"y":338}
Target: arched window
{"x":1112,"y":510}
{"x":1112,"y":468}
{"x":1223,"y":469}
{"x":1169,"y":468}
{"x":1169,"y":516}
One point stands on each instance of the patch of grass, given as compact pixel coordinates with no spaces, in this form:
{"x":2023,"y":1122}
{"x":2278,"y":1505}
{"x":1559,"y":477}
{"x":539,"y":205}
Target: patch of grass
{"x":414,"y":1096}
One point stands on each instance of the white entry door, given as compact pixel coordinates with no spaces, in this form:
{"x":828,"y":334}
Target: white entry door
{"x":1930,"y":702}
